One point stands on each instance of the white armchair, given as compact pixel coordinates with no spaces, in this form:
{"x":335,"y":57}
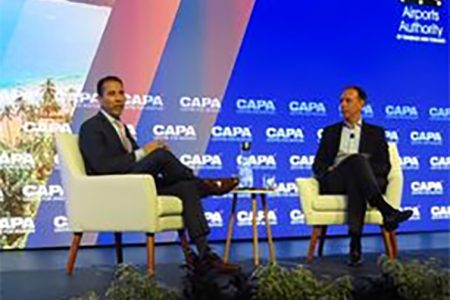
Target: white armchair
{"x":113,"y":203}
{"x":323,"y":210}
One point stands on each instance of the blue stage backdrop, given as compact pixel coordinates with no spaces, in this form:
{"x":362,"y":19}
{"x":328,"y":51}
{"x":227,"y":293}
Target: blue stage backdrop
{"x":207,"y":75}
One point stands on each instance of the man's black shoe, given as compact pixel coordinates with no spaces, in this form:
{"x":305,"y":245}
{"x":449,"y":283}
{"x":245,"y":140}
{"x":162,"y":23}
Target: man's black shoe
{"x":213,"y":261}
{"x":355,"y":259}
{"x":391,"y":221}
{"x":191,"y":258}
{"x":218,"y":186}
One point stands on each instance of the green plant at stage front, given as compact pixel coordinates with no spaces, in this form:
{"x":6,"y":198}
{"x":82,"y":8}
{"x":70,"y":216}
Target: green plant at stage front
{"x":275,"y":282}
{"x":413,"y":280}
{"x":417,"y":280}
{"x":129,"y":283}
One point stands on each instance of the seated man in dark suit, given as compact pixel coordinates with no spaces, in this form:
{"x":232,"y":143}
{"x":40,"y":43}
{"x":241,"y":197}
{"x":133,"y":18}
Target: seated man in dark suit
{"x":353,"y":159}
{"x":107,"y":147}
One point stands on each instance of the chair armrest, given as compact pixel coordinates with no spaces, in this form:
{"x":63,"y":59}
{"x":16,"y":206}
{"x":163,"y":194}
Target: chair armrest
{"x":112,"y":202}
{"x":308,"y":189}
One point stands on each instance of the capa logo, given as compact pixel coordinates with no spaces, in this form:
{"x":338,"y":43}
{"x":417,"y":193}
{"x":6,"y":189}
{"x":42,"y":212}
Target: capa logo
{"x":440,"y":212}
{"x":231,"y":133}
{"x":427,"y":188}
{"x":45,"y":127}
{"x":214,"y":219}
{"x":426,"y":138}
{"x":16,"y":160}
{"x":410,"y":163}
{"x":133,"y":101}
{"x":175,"y":132}
{"x":61,"y":224}
{"x":287,"y":189}
{"x":16,"y":225}
{"x":305,"y":108}
{"x":285,"y":135}
{"x":146,"y":102}
{"x":200,"y":104}
{"x":297,"y":217}
{"x":439,"y":113}
{"x":392,"y":136}
{"x":301,"y":162}
{"x":263,"y":106}
{"x":204,"y":161}
{"x":440,"y":162}
{"x":35,"y":192}
{"x":244,"y":218}
{"x":260,"y":161}
{"x":401,"y":112}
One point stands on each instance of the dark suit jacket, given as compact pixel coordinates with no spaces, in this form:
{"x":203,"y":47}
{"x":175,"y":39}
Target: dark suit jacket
{"x":101,"y":148}
{"x":372,"y":142}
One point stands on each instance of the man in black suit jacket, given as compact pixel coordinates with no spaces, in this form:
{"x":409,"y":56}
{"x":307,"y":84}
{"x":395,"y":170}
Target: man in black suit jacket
{"x":353,"y":159}
{"x":108,"y":147}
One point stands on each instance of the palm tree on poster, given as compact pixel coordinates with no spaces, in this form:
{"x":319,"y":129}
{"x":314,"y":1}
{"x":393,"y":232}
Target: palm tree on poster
{"x":49,"y":103}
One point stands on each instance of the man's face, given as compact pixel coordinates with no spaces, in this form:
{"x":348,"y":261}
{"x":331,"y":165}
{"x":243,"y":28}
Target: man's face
{"x":351,"y":105}
{"x":113,"y":98}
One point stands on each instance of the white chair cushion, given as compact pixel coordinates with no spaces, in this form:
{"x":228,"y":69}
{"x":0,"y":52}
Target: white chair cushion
{"x":170,"y":223}
{"x":169,"y":206}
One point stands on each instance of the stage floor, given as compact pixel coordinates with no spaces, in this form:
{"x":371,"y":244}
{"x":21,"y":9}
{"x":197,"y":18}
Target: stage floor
{"x":39,"y":274}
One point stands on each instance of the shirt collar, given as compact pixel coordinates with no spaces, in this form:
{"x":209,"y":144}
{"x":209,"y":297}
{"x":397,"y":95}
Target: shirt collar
{"x":109,"y":117}
{"x":358,"y":124}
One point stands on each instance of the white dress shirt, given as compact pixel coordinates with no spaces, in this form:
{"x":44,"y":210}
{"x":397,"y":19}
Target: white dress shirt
{"x":139,"y":153}
{"x":349,"y":143}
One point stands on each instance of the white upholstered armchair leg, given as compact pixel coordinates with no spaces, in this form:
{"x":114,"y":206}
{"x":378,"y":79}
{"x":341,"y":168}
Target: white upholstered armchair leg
{"x":317,"y":229}
{"x":151,"y":253}
{"x":73,"y":252}
{"x":390,"y":242}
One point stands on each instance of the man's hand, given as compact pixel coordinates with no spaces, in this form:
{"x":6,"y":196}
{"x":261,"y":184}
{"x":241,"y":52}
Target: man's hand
{"x":156,"y":144}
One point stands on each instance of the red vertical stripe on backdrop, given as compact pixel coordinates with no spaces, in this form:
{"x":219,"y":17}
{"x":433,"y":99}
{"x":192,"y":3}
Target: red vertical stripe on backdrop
{"x":132,"y":46}
{"x":227,"y":22}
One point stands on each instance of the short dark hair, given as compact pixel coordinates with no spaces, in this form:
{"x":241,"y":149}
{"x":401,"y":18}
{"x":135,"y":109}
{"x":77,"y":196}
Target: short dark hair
{"x":361,"y":93}
{"x":105,"y":79}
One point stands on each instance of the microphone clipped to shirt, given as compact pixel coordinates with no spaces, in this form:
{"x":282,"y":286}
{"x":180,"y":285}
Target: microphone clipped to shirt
{"x":352,"y":135}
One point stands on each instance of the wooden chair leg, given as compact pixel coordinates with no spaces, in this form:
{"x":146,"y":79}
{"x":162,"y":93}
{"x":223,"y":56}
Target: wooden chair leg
{"x":73,"y":252}
{"x":387,"y":243}
{"x":323,"y":235}
{"x":394,"y":244}
{"x":255,"y":230}
{"x":231,"y":218}
{"x":313,"y":242}
{"x":118,"y":245}
{"x":268,"y":229}
{"x":151,"y":253}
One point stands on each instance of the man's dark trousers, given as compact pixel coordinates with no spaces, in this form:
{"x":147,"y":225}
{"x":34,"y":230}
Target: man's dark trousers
{"x":355,"y":178}
{"x":175,"y":179}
